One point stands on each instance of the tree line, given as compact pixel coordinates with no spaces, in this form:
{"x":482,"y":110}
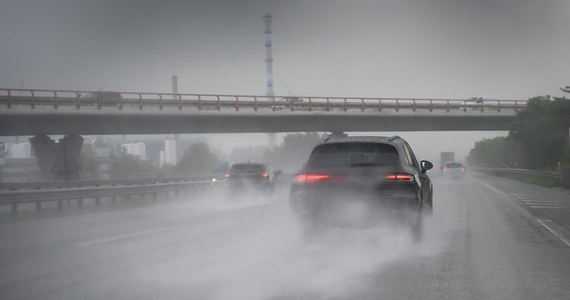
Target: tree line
{"x":538,"y":138}
{"x":200,"y":160}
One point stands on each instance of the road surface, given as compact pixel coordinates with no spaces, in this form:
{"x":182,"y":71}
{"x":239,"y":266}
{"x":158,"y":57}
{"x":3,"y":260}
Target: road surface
{"x":489,"y":238}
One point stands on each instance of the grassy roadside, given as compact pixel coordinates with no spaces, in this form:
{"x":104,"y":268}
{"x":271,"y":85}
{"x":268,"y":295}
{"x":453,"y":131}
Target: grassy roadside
{"x":530,"y":178}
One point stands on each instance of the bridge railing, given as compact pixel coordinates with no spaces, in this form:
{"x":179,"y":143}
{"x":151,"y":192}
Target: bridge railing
{"x":209,"y":102}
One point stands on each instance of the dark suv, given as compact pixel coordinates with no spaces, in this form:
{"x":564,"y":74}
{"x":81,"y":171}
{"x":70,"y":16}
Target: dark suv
{"x":251,"y":176}
{"x":363,"y":182}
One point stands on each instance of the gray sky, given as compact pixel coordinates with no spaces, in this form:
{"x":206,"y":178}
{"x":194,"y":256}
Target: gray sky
{"x":415,"y":48}
{"x":399,"y":48}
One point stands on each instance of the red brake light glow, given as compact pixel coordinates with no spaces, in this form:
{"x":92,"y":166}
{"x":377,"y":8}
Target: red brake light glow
{"x":400,"y":177}
{"x":227,"y":175}
{"x":462,"y":169}
{"x":265,"y":175}
{"x":444,"y":170}
{"x":311,"y":177}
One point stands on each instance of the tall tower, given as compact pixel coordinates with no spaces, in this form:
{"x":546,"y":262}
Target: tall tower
{"x":268,"y":59}
{"x":174,"y":154}
{"x":174,"y":86}
{"x":271,"y":137}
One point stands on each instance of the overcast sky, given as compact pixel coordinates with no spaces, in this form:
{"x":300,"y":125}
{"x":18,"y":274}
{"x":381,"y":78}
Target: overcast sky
{"x":399,"y":48}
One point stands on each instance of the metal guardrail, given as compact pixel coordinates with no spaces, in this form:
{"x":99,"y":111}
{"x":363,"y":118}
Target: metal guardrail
{"x":56,"y":98}
{"x":521,"y":171}
{"x":58,"y":194}
{"x":94,"y":183}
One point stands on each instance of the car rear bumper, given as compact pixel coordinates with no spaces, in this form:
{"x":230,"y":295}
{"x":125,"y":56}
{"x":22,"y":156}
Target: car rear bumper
{"x":354,"y":210}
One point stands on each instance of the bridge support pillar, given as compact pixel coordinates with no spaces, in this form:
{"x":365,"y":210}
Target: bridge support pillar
{"x":57,"y":160}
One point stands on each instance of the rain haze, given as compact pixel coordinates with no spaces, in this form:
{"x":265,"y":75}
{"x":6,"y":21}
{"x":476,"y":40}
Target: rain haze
{"x":424,"y":49}
{"x":259,"y":231}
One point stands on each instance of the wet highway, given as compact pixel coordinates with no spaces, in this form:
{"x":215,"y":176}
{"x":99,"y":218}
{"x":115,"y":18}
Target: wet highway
{"x":489,"y":238}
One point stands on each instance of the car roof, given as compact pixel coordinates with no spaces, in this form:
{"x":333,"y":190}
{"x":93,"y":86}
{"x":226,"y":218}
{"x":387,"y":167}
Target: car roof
{"x":248,"y":163}
{"x":363,"y":139}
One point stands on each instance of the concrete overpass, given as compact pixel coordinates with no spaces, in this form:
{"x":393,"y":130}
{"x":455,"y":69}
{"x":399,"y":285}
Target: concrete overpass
{"x":74,"y":113}
{"x":45,"y":112}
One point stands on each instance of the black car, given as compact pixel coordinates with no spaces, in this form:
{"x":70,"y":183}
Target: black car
{"x":363,"y":182}
{"x":251,"y":176}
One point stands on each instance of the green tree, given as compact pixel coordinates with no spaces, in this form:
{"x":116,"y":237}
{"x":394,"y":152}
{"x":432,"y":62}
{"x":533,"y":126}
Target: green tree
{"x":198,"y":160}
{"x":498,"y":152}
{"x":89,"y":166}
{"x":542,"y":130}
{"x":294,"y":151}
{"x":128,"y":166}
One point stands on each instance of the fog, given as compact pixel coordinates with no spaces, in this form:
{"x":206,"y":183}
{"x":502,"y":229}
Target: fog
{"x":251,"y":247}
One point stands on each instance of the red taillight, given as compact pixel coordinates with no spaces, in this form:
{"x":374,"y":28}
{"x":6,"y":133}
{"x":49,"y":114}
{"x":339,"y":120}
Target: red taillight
{"x":444,"y":170}
{"x":265,"y":175}
{"x":400,"y":177}
{"x":462,"y":169}
{"x":311,"y":177}
{"x":227,"y":175}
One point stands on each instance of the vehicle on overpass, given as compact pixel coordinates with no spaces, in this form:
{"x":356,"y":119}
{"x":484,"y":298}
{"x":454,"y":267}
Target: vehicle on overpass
{"x":362,"y":182}
{"x":454,"y":170}
{"x":249,"y":176}
{"x":289,"y":103}
{"x":477,"y":102}
{"x":103,"y":97}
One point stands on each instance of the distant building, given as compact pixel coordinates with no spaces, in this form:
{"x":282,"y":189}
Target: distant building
{"x":19,"y":170}
{"x":20,"y":150}
{"x":170,"y":155}
{"x":135,"y":149}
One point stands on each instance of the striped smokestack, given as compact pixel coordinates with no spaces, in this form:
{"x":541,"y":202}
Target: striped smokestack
{"x":268,"y":59}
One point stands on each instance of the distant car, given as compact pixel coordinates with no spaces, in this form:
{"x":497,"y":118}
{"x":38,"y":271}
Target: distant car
{"x":218,"y":175}
{"x":378,"y":176}
{"x":294,"y":103}
{"x":251,"y":177}
{"x":105,"y":98}
{"x":477,"y":102}
{"x":454,"y":170}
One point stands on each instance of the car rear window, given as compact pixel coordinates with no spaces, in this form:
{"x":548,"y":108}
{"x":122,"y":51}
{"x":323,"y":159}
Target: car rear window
{"x":454,"y":165}
{"x":248,"y":168}
{"x":353,"y":155}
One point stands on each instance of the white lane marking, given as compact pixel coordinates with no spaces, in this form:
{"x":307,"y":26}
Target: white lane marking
{"x":544,"y":201}
{"x":555,"y":232}
{"x":552,"y":207}
{"x":120,"y":237}
{"x":494,"y":189}
{"x":541,"y":222}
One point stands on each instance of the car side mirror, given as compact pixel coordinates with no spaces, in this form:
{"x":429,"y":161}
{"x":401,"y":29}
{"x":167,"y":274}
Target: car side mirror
{"x":426,"y":165}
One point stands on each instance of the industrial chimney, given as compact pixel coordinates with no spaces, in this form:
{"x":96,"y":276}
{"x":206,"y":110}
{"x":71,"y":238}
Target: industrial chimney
{"x":268,"y":59}
{"x":269,"y":69}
